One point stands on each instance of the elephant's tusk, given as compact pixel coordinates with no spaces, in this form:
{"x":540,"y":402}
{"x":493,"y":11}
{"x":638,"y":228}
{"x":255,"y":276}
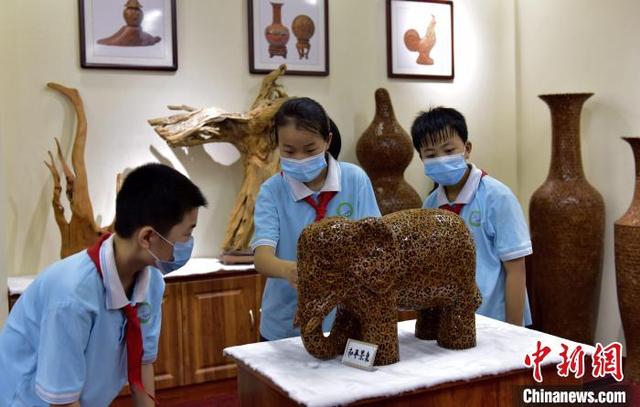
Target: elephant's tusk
{"x":312,"y":325}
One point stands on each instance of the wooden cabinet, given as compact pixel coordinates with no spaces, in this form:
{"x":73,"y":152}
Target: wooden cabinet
{"x":168,"y":368}
{"x":216,"y":314}
{"x":200,"y":317}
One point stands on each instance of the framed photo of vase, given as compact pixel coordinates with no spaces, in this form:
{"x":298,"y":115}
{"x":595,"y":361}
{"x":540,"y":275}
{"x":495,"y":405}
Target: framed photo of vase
{"x":128,"y":34}
{"x":420,"y":39}
{"x":294,"y":32}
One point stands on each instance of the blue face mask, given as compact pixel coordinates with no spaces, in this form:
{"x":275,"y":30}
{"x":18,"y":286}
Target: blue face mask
{"x":181,"y":255}
{"x":447,"y":170}
{"x":305,"y":170}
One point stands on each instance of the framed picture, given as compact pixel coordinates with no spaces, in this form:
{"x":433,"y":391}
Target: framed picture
{"x":420,"y":39}
{"x":128,"y":34}
{"x":294,"y":32}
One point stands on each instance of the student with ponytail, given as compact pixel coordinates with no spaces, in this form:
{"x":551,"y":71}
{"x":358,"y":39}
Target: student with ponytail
{"x":312,"y":185}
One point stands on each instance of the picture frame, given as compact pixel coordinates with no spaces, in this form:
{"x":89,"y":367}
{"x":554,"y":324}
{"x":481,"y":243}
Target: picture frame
{"x":293,"y":32}
{"x":420,"y":40}
{"x":128,"y":34}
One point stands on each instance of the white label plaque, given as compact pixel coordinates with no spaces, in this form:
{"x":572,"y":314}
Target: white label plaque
{"x":359,"y":354}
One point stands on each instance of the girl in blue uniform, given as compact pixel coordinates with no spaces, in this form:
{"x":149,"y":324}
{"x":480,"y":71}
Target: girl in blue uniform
{"x":311,"y":185}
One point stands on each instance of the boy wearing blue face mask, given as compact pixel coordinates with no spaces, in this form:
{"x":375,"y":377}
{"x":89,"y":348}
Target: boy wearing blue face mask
{"x":91,"y":321}
{"x":311,"y":185}
{"x":489,"y":208}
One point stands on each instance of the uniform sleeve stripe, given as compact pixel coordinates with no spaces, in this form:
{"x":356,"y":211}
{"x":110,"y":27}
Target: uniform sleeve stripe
{"x":263,"y":242}
{"x":56,"y":398}
{"x":516,"y":254}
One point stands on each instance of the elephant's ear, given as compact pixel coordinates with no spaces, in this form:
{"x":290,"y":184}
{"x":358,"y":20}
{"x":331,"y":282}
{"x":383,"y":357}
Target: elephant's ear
{"x":375,"y":255}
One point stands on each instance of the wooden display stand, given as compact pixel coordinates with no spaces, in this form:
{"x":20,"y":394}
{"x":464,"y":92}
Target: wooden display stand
{"x":256,"y":390}
{"x":492,"y":373}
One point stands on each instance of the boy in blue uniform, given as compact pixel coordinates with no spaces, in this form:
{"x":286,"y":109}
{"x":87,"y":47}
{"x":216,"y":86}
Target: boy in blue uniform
{"x":312,"y":185}
{"x":91,"y":321}
{"x":489,"y":208}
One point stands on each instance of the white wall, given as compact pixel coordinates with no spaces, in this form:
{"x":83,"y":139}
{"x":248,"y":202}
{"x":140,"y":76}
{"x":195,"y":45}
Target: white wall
{"x":582,"y":45}
{"x":214,"y":72}
{"x":7,"y":46}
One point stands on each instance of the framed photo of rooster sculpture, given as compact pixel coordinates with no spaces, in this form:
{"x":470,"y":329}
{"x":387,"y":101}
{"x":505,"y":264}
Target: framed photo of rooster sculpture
{"x":292,"y":32}
{"x":420,"y":39}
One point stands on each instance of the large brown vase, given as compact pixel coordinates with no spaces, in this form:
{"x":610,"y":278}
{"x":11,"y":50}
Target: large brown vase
{"x":276,"y":33}
{"x":385,"y":151}
{"x":627,"y":248}
{"x":131,"y":34}
{"x":567,"y":231}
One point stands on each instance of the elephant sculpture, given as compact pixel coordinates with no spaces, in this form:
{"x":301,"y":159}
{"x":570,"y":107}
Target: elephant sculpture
{"x":421,"y":259}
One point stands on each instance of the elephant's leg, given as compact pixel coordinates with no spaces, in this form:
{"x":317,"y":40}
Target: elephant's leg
{"x":427,"y":324}
{"x":457,"y":328}
{"x":380,"y":327}
{"x":345,"y":326}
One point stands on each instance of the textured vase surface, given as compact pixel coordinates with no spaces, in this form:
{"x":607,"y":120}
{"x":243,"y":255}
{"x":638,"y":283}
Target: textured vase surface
{"x":385,"y":150}
{"x":567,"y":231}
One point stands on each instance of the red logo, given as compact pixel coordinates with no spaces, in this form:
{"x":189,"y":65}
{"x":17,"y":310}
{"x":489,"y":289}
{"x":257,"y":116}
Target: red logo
{"x":608,"y":360}
{"x":605,"y":361}
{"x":573,"y":362}
{"x":535,"y":359}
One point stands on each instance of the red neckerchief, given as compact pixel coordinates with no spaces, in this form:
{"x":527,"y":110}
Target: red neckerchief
{"x":323,"y":202}
{"x":457,"y":207}
{"x":134,"y":333}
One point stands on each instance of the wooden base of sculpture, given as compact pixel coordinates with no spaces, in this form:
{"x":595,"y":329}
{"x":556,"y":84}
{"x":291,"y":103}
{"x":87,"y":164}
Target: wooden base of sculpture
{"x":500,"y":390}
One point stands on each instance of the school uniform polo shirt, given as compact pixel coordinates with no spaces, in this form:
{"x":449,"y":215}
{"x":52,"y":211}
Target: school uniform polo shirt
{"x":280,"y":216}
{"x":64,"y":340}
{"x":494,"y":216}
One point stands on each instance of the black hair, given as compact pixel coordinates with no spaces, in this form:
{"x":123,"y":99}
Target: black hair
{"x":155,"y":195}
{"x":438,"y":124}
{"x":307,"y":114}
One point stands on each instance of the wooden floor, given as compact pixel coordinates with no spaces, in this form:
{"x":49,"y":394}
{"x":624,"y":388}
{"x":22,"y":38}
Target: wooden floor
{"x":220,"y":393}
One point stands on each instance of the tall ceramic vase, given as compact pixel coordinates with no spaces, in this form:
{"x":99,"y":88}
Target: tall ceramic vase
{"x":277,"y":34}
{"x":627,"y":252}
{"x":567,"y":231}
{"x":385,"y":150}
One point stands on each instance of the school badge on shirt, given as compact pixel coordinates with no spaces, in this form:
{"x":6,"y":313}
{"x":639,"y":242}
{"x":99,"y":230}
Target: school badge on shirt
{"x":144,"y":312}
{"x":345,"y":209}
{"x":475,"y":218}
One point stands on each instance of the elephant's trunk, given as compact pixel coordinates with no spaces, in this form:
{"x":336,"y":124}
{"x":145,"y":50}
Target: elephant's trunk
{"x":320,"y":346}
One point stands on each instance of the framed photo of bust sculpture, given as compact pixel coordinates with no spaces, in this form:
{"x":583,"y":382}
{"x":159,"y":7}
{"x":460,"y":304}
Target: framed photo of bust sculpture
{"x":128,"y":34}
{"x":294,"y":32}
{"x":420,"y":39}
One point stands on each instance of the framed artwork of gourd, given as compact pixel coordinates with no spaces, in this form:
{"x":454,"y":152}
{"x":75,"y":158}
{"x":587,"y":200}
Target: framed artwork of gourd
{"x":131,"y":34}
{"x":420,"y":39}
{"x":289,"y":31}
